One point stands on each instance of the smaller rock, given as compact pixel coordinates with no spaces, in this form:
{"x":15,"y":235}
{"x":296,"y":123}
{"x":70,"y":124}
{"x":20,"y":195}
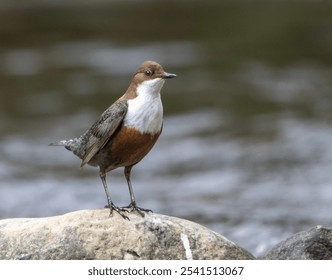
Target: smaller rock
{"x":315,"y":244}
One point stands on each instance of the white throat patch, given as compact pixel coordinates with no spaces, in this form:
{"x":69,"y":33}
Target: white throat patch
{"x":145,"y":112}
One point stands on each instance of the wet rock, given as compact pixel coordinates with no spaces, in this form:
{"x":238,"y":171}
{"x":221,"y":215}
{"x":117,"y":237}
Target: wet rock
{"x":315,"y":244}
{"x":92,"y":234}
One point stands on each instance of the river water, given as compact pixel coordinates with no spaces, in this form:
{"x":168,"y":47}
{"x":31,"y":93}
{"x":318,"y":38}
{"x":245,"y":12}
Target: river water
{"x":246,"y":145}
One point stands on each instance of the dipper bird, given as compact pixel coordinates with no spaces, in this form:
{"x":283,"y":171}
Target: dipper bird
{"x":126,"y":132}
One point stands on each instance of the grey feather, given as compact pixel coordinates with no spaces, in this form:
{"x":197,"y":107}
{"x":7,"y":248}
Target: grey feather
{"x":102,"y":130}
{"x":95,"y":138}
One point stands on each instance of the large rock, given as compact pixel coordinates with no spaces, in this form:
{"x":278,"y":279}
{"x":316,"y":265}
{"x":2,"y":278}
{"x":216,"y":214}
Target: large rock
{"x":315,"y":244}
{"x":92,"y":234}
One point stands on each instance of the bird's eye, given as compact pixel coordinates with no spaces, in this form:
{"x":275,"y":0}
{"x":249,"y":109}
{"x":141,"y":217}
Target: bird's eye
{"x":148,"y":72}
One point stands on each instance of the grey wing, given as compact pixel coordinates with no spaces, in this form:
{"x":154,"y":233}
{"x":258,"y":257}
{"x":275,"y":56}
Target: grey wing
{"x":102,"y":130}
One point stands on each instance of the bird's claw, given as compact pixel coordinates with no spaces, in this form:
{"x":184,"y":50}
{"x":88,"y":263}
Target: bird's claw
{"x":133,"y":207}
{"x":118,"y":210}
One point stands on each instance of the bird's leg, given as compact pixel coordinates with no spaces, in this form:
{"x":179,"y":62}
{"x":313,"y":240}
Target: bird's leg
{"x":109,"y":200}
{"x":132,"y":206}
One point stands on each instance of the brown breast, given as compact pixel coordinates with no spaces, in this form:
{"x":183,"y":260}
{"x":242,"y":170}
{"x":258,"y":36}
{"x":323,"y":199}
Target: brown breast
{"x":126,"y":148}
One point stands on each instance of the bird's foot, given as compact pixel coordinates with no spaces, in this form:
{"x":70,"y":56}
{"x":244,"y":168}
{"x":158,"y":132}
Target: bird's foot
{"x":119,"y":210}
{"x":133,"y":207}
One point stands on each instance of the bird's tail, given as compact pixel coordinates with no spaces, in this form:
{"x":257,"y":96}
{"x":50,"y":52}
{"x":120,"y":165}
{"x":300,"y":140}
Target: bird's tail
{"x":73,"y":145}
{"x":59,"y":143}
{"x":66,"y":143}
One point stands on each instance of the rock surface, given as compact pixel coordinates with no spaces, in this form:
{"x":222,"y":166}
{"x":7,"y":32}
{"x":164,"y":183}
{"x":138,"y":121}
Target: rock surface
{"x":314,"y":244}
{"x":92,"y":234}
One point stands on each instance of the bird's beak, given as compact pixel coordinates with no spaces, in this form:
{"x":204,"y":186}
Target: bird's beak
{"x":168,"y":75}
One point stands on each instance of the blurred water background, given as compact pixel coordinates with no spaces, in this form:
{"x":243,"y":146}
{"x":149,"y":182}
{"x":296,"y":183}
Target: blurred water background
{"x":246,"y":148}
